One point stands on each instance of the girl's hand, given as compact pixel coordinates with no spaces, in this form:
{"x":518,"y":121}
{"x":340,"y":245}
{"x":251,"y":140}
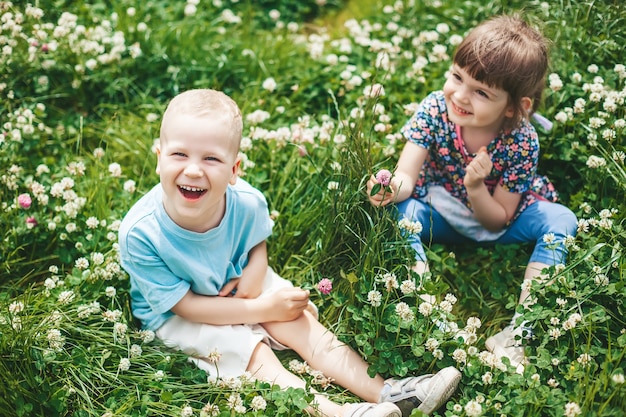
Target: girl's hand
{"x":288,"y":303}
{"x":383,"y":196}
{"x":477,"y":170}
{"x":230,"y":288}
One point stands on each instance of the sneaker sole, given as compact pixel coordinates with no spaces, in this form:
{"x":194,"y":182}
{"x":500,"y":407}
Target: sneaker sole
{"x":442,"y":391}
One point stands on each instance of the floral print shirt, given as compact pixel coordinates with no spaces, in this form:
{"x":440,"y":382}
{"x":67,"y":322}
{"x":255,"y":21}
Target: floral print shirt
{"x":514,"y":154}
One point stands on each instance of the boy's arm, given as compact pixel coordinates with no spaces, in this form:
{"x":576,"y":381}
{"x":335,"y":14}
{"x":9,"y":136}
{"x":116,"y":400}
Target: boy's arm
{"x":284,"y":305}
{"x":250,"y":284}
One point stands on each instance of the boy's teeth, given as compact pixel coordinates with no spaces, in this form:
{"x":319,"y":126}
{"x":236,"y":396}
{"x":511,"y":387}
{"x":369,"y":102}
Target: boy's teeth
{"x":184,"y":187}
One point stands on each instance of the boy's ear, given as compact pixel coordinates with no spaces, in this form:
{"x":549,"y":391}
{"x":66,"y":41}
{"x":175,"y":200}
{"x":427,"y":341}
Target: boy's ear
{"x":235,"y":174}
{"x":157,"y":149}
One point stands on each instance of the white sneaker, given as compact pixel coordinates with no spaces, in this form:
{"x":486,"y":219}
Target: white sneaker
{"x":508,"y":343}
{"x":426,"y":393}
{"x":385,"y":409}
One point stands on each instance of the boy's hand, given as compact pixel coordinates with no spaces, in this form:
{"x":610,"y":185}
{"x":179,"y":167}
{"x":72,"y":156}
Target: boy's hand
{"x":229,"y":287}
{"x":288,"y":303}
{"x":382,"y":197}
{"x":477,"y":170}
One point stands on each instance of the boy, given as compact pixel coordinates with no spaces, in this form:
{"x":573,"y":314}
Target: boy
{"x":195,"y":250}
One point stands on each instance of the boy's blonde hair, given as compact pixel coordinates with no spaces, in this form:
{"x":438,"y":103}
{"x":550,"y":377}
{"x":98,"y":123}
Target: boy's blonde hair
{"x":205,"y":102}
{"x":507,"y":53}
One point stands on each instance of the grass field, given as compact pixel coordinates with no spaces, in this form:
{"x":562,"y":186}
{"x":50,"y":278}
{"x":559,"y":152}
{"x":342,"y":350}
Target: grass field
{"x":83,"y":85}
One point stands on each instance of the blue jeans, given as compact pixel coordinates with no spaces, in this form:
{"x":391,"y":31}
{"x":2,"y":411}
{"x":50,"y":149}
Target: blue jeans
{"x":533,"y":223}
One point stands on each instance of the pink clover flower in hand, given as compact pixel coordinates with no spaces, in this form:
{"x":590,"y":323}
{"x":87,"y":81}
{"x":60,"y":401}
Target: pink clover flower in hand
{"x":325,"y":286}
{"x":383,"y":177}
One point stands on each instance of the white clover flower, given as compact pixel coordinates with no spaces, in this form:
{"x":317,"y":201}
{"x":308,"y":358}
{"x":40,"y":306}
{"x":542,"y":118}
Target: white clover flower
{"x":407,"y":286}
{"x":258,"y":403}
{"x":269,"y":84}
{"x":112,"y":315}
{"x":16,"y":307}
{"x":584,"y":359}
{"x":66,"y":297}
{"x":487,"y":378}
{"x":130,"y":186}
{"x":214,"y":356}
{"x":390,"y":281}
{"x":234,"y":401}
{"x":438,"y":354}
{"x":473,"y":323}
{"x":601,"y":280}
{"x":124,"y":364}
{"x":595,"y":162}
{"x":373,"y":91}
{"x":115,"y":169}
{"x":473,"y":408}
{"x":55,"y":339}
{"x":146,"y":335}
{"x":404,"y":312}
{"x":119,"y":329}
{"x":572,"y":409}
{"x":374,"y":297}
{"x":425,"y":309}
{"x":411,"y":227}
{"x":82,"y":263}
{"x":553,"y":383}
{"x":459,"y":355}
{"x":548,"y":238}
{"x":333,"y":185}
{"x":135,"y":351}
{"x":210,"y":410}
{"x":618,"y":378}
{"x":432,"y":344}
{"x":446,"y":306}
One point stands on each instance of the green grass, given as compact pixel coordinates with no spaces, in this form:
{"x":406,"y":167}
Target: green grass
{"x":64,"y":123}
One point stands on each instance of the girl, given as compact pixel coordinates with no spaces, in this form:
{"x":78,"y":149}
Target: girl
{"x":468,"y":169}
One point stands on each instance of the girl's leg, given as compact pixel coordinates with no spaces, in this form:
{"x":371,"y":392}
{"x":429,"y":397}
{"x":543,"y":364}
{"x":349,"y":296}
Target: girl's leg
{"x":434,"y":229}
{"x":548,"y":225}
{"x":321,"y":349}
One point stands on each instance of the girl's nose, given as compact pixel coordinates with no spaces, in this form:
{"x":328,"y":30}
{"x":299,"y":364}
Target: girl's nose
{"x":192,"y":170}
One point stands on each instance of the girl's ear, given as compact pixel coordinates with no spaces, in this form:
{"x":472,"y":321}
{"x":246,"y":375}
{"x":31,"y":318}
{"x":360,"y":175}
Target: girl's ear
{"x":235,"y":174}
{"x":527,"y":104}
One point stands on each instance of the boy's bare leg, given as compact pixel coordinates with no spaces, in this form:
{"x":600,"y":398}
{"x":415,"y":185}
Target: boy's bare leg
{"x":321,"y":349}
{"x":266,"y":366}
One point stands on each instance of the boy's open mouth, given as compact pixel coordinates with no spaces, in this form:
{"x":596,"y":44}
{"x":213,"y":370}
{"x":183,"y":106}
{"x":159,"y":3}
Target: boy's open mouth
{"x":192,"y":193}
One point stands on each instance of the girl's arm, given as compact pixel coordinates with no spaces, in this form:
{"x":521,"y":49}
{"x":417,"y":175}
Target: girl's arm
{"x":493,"y":212}
{"x":404,"y":178}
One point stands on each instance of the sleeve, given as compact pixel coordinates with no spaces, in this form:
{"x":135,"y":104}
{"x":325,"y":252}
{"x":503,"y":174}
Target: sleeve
{"x":154,"y":287}
{"x":423,"y":126}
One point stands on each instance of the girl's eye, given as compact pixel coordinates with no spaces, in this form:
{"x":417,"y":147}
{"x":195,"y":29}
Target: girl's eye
{"x":482,"y":93}
{"x":210,"y":158}
{"x":179,"y":154}
{"x":456,"y":76}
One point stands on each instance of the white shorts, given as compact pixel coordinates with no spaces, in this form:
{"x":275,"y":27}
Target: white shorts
{"x":234,"y":343}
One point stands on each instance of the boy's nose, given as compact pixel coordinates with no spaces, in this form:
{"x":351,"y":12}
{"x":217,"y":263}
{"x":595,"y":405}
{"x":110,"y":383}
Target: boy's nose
{"x":192,"y":170}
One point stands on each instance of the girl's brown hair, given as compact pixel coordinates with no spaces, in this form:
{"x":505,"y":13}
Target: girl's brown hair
{"x":507,"y":53}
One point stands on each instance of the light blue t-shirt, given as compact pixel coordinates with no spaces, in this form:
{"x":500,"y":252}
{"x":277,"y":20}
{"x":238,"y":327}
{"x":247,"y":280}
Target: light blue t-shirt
{"x":165,"y":261}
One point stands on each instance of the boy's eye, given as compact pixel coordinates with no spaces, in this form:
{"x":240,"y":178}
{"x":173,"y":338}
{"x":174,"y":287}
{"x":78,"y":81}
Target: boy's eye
{"x":211,"y":158}
{"x":179,"y":154}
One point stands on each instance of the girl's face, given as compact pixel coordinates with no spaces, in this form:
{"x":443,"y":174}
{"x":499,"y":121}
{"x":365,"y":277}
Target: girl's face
{"x":197,"y":161}
{"x":473,"y":104}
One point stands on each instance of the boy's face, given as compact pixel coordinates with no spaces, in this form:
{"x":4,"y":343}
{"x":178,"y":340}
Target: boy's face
{"x":474,"y":104}
{"x":197,"y":160}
